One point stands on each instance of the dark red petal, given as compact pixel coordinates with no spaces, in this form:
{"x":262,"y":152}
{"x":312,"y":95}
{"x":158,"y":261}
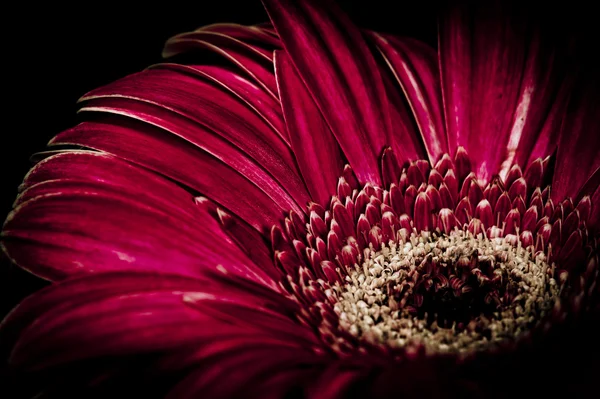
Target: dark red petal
{"x":518,"y":189}
{"x":435,"y":178}
{"x":578,"y":158}
{"x":530,"y":219}
{"x":249,"y":240}
{"x":447,"y":222}
{"x":317,"y":225}
{"x":415,"y":67}
{"x":526,"y":239}
{"x":250,"y":34}
{"x":317,"y":152}
{"x":409,"y":200}
{"x":568,"y":255}
{"x":534,"y":175}
{"x":334,"y":61}
{"x":414,"y":175}
{"x":404,"y":138}
{"x":584,"y":208}
{"x":341,"y":216}
{"x":189,"y":165}
{"x":513,"y":174}
{"x":62,"y":227}
{"x":571,"y":223}
{"x":463,"y":164}
{"x":126,"y":314}
{"x":253,"y":368}
{"x":512,"y":222}
{"x":503,"y":206}
{"x":464,"y":211}
{"x":251,"y":59}
{"x":484,"y":213}
{"x":390,"y":167}
{"x":423,"y":212}
{"x":255,"y":97}
{"x":198,"y":111}
{"x":499,"y":83}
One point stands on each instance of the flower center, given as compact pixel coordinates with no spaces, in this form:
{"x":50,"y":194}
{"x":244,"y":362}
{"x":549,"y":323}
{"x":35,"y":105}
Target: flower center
{"x":449,"y":293}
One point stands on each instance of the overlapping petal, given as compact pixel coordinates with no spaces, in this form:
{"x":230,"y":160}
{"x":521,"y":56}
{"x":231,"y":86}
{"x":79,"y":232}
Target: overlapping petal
{"x":317,"y":152}
{"x":251,"y":59}
{"x":333,"y":60}
{"x":503,"y":86}
{"x":576,"y":172}
{"x":181,"y":96}
{"x":119,"y":317}
{"x":84,"y":212}
{"x":415,"y":66}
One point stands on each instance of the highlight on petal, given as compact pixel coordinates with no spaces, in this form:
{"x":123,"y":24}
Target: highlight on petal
{"x":415,"y":66}
{"x":339,"y":71}
{"x":253,"y":96}
{"x":171,"y":157}
{"x":85,"y":212}
{"x":504,"y":85}
{"x":185,"y":100}
{"x":317,"y":152}
{"x":251,"y":59}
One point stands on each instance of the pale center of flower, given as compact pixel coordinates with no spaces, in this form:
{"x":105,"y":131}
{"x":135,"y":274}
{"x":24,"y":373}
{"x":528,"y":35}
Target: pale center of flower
{"x":451,"y":294}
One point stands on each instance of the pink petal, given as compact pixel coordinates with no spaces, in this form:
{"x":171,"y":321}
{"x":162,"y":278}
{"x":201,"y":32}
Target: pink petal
{"x":415,"y":66}
{"x":125,"y":314}
{"x":104,"y":285}
{"x":249,"y":34}
{"x":88,"y":212}
{"x":249,"y":370}
{"x":541,"y":105}
{"x":339,"y":71}
{"x":317,"y":152}
{"x":253,"y":96}
{"x":335,"y":383}
{"x":189,"y":165}
{"x":253,"y":60}
{"x":179,"y":95}
{"x":578,"y":157}
{"x":502,"y":87}
{"x":404,"y":137}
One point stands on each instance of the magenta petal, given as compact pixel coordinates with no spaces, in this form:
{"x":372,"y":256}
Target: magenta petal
{"x":255,"y":97}
{"x":176,"y":95}
{"x":176,"y":159}
{"x":252,"y":369}
{"x":104,"y":285}
{"x":415,"y":66}
{"x":249,"y":34}
{"x":541,"y":105}
{"x":498,"y":91}
{"x":61,"y":226}
{"x":122,"y":314}
{"x":256,"y":62}
{"x":404,"y":137}
{"x":316,"y":150}
{"x":578,"y":158}
{"x":334,"y":61}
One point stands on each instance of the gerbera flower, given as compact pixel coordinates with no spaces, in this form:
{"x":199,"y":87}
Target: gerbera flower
{"x":333,"y":212}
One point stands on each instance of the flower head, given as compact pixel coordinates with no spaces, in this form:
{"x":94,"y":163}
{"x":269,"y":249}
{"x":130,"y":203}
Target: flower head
{"x":333,"y":211}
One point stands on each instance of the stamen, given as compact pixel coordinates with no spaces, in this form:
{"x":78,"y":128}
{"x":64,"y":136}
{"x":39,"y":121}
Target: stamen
{"x":450,"y":293}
